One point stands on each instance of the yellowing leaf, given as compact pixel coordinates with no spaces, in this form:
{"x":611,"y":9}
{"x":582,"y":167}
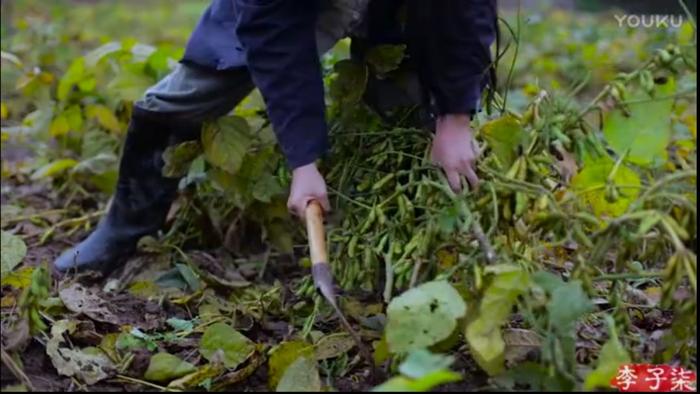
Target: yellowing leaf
{"x":144,"y":289}
{"x":19,"y":279}
{"x":59,"y":126}
{"x":225,"y":142}
{"x":105,"y":117}
{"x":3,"y":111}
{"x":646,"y":132}
{"x":503,"y":136}
{"x":483,"y":333}
{"x":194,"y":379}
{"x":590,"y":185}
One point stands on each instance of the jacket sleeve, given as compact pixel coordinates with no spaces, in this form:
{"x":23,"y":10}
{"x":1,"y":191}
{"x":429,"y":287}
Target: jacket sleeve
{"x":453,"y":39}
{"x":278,"y":37}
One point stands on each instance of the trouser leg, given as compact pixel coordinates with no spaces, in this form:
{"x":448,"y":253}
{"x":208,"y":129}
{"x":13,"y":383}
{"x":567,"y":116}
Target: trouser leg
{"x":171,"y":112}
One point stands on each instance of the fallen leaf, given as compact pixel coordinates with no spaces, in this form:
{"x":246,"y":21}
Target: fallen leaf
{"x":334,"y":345}
{"x":283,"y":356}
{"x":13,"y":251}
{"x":519,"y":343}
{"x":89,"y":365}
{"x":17,"y":336}
{"x":301,"y":376}
{"x":241,"y":374}
{"x":165,"y":367}
{"x":235,"y":346}
{"x":194,"y":379}
{"x":117,"y":311}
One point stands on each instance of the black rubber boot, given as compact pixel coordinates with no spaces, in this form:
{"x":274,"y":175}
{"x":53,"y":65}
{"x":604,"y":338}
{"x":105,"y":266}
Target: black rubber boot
{"x":142,"y":199}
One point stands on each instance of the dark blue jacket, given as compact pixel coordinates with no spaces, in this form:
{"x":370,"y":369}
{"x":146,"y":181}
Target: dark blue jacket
{"x":276,"y":41}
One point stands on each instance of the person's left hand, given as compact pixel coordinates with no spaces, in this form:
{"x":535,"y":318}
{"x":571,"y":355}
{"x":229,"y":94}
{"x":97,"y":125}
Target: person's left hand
{"x":455,"y":150}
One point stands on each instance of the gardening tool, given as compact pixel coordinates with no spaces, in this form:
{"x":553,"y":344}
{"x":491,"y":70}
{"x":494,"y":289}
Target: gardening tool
{"x":321,"y":272}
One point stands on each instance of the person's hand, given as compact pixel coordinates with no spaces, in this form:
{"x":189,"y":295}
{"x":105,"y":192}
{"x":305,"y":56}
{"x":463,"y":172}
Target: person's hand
{"x":455,"y":150}
{"x":307,"y":185}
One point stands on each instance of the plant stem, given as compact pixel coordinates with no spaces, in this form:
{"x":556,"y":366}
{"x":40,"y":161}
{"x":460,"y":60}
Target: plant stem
{"x":627,"y":276}
{"x":16,"y":370}
{"x":145,"y":383}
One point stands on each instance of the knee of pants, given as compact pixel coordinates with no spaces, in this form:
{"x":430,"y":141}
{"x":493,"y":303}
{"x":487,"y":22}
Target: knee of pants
{"x":197,"y":93}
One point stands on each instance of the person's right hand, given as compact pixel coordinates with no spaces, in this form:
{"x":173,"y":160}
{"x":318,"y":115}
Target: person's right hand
{"x":307,"y":185}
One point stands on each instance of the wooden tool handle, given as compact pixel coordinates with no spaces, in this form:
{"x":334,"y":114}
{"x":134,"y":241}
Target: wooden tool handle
{"x":316,"y":233}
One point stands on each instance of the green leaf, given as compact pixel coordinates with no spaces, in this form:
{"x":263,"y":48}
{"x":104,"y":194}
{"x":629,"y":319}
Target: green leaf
{"x":236,"y":348}
{"x":165,"y":367}
{"x":93,"y":57}
{"x":483,"y":333}
{"x":95,"y":142}
{"x":266,"y":187}
{"x":279,"y":235}
{"x":74,"y":117}
{"x":504,"y":135}
{"x":59,"y":126}
{"x":547,"y":281}
{"x":126,"y":341}
{"x":13,"y":251}
{"x":568,"y":303}
{"x":73,"y":75}
{"x":421,"y":362}
{"x":180,"y":324}
{"x":283,"y":356}
{"x":54,"y":168}
{"x":226,"y":142}
{"x":412,"y":316}
{"x":612,"y":355}
{"x":350,"y":83}
{"x":98,"y":164}
{"x":301,"y":376}
{"x":426,"y":383}
{"x":385,"y":58}
{"x":104,"y":116}
{"x":590,"y":184}
{"x":189,"y":276}
{"x":646,"y":132}
{"x":9,"y":212}
{"x":178,"y":158}
{"x":129,"y":84}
